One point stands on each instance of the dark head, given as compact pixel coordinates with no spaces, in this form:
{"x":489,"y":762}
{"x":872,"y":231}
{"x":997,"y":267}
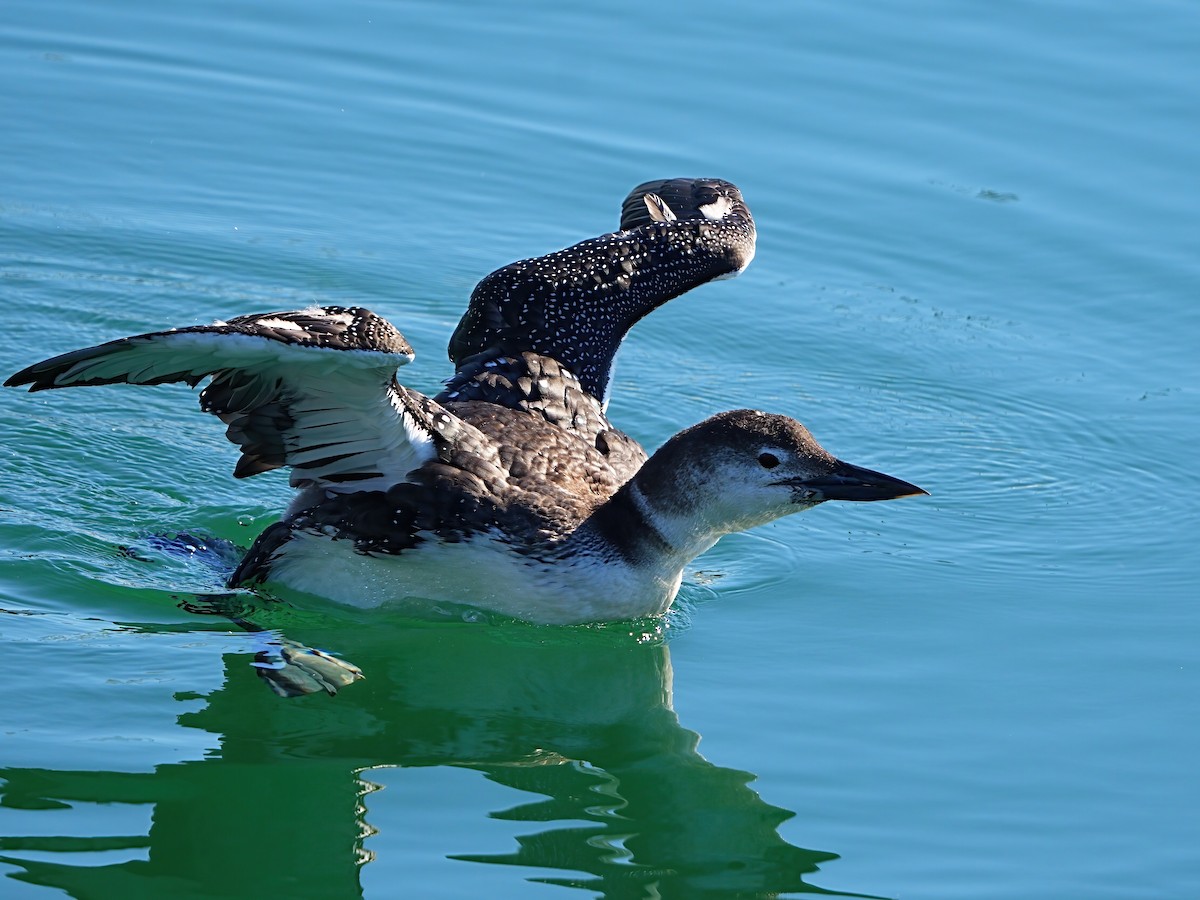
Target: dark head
{"x":744,"y":468}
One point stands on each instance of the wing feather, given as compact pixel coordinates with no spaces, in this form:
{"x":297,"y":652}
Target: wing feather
{"x":312,"y":389}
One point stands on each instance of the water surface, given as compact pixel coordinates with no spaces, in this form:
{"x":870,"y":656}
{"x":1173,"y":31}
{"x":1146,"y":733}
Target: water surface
{"x":976,"y":270}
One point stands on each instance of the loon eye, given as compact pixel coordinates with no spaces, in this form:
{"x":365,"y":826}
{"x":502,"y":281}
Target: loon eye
{"x":768,"y":460}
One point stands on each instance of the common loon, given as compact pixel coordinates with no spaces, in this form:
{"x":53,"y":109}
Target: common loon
{"x":510,"y":491}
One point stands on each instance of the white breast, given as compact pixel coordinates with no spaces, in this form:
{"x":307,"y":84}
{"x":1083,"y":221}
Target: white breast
{"x":482,"y":573}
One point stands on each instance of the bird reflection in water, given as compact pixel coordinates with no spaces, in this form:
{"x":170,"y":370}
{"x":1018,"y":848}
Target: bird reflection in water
{"x":581,"y":717}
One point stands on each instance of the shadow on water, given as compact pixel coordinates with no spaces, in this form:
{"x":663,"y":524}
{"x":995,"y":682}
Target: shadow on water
{"x":625,"y":805}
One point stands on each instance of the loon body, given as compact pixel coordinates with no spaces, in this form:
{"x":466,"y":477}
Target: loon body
{"x":510,"y":490}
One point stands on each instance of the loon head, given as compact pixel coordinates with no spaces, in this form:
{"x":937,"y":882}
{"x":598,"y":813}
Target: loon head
{"x":745,"y":468}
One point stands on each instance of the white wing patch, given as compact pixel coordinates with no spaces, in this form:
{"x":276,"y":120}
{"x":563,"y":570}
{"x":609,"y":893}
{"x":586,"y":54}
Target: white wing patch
{"x":716,"y":210}
{"x":658,"y":208}
{"x":313,"y":389}
{"x":280,"y":323}
{"x":420,"y":441}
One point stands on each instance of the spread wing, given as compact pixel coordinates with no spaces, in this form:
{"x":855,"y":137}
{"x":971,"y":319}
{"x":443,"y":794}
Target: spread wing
{"x":312,"y":389}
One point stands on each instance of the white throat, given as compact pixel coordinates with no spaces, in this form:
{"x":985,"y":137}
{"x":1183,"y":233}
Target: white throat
{"x":687,"y":535}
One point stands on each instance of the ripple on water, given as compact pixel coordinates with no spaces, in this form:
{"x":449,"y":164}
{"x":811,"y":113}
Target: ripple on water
{"x":1025,"y":440}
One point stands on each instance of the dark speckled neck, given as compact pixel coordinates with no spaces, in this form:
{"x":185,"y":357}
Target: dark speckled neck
{"x":576,"y":305}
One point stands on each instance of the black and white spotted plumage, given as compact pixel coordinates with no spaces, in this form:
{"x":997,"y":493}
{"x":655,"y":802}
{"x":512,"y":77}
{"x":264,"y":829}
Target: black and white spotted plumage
{"x":576,"y":305}
{"x":531,"y":382}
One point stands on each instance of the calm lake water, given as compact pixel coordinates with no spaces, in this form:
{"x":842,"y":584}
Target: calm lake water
{"x":977,"y":270}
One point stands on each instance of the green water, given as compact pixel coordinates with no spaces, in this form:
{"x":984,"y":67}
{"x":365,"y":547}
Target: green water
{"x":977,"y":270}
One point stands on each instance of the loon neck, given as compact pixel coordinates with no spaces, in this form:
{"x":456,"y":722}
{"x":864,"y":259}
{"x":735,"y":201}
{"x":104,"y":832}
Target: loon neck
{"x":644,"y":536}
{"x":576,"y":305}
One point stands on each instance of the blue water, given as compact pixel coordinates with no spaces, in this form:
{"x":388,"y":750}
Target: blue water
{"x":977,"y":270}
